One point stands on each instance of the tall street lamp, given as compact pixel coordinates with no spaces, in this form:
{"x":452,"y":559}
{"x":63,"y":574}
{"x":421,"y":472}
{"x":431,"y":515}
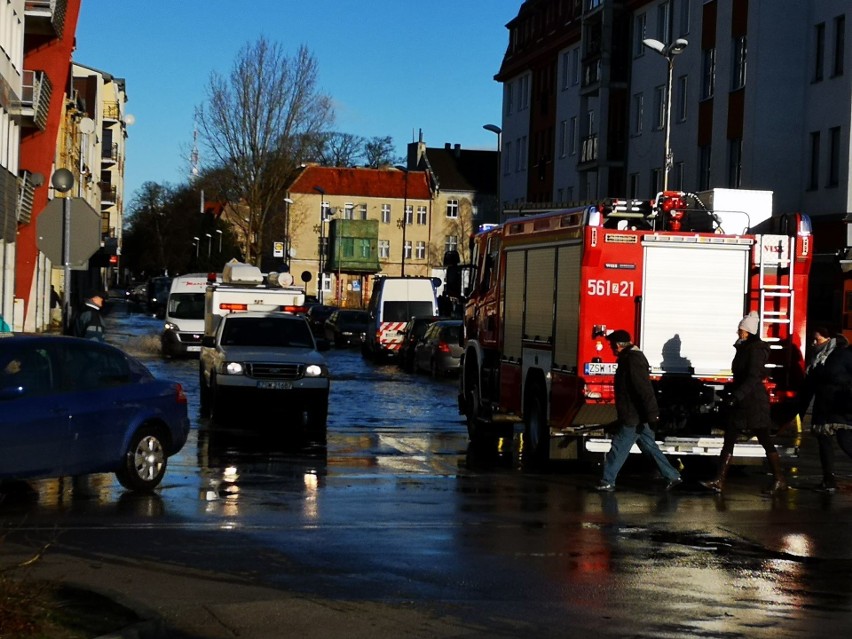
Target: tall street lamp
{"x":287,"y":204}
{"x":499,"y":132}
{"x":668,"y":51}
{"x":196,"y":242}
{"x":404,"y":220}
{"x":219,"y":233}
{"x":321,"y":251}
{"x":63,"y":181}
{"x":209,"y":244}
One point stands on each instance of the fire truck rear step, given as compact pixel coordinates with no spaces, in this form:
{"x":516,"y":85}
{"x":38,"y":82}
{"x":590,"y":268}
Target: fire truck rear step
{"x":700,"y":446}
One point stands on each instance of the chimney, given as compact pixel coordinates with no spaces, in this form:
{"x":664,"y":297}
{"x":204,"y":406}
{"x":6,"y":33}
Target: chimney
{"x":446,"y":146}
{"x":457,"y":149}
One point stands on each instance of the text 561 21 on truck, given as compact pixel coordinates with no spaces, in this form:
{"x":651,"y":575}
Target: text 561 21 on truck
{"x":546,"y":289}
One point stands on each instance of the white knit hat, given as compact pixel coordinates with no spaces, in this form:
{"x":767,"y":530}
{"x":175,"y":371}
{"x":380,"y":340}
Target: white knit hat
{"x":750,"y":323}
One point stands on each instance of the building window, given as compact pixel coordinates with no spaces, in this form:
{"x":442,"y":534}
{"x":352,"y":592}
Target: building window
{"x":682,"y":101}
{"x":421,"y":215}
{"x":839,"y":45}
{"x":676,"y":177}
{"x":453,"y":208}
{"x":325,"y":282}
{"x":508,"y":98}
{"x":409,"y":214}
{"x":641,"y":25}
{"x":572,"y":136}
{"x":384,"y":249}
{"x":420,"y":251}
{"x":739,"y":65}
{"x":559,"y":194}
{"x":834,"y":156}
{"x":704,"y":168}
{"x":664,"y":22}
{"x":575,"y":67}
{"x":659,"y":108}
{"x":363,"y":209}
{"x":813,"y":181}
{"x":451,"y":243}
{"x":347,"y":246}
{"x":507,"y":158}
{"x":563,"y":138}
{"x":819,"y":50}
{"x":386,"y":213}
{"x":566,"y":69}
{"x":633,"y":188}
{"x":708,"y":74}
{"x":347,"y":211}
{"x":364,"y":248}
{"x":656,"y":180}
{"x":406,"y":249}
{"x":735,"y":163}
{"x":638,"y":112}
{"x":524,"y":92}
{"x":684,"y":17}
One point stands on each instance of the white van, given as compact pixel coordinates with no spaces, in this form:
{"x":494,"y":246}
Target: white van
{"x":184,"y":318}
{"x":393,"y":302}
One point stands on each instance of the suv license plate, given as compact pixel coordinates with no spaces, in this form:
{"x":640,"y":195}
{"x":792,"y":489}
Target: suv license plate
{"x":275,"y":385}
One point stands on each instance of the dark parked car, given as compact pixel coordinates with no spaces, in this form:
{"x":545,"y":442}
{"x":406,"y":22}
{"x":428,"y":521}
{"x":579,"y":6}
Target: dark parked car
{"x":71,"y":406}
{"x":439,"y":352}
{"x":317,"y":314}
{"x":412,"y":333}
{"x":346,"y":327}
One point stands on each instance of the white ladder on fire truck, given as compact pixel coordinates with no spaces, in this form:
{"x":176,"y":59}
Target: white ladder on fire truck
{"x":776,"y":293}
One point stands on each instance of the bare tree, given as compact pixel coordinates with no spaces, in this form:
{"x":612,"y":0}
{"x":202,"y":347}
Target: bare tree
{"x":378,"y":152}
{"x":259,"y":123}
{"x":339,"y":149}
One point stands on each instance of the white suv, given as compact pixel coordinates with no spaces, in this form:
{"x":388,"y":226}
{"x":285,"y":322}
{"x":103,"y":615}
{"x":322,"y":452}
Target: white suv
{"x":265,"y":356}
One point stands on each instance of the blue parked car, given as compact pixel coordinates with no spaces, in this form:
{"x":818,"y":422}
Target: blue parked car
{"x":71,"y":406}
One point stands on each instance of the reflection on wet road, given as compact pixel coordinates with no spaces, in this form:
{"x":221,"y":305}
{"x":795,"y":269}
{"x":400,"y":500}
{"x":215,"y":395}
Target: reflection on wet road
{"x":395,"y":509}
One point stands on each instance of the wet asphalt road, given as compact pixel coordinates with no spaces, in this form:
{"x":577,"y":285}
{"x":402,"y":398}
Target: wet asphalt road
{"x":396,"y":510}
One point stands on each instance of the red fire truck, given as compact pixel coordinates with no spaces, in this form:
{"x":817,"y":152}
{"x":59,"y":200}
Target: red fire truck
{"x":546,"y":289}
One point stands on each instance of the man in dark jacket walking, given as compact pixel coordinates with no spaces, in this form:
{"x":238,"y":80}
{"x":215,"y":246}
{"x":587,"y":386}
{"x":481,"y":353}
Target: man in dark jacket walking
{"x":828,"y":382}
{"x":747,"y":402}
{"x":88,"y":323}
{"x":636,"y":406}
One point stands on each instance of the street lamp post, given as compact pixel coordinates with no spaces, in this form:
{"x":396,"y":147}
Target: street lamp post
{"x":321,"y":251}
{"x":287,"y":204}
{"x":63,"y":181}
{"x":668,"y":51}
{"x":209,"y":244}
{"x":196,"y":242}
{"x":496,"y":129}
{"x":219,"y":233}
{"x":404,"y":169}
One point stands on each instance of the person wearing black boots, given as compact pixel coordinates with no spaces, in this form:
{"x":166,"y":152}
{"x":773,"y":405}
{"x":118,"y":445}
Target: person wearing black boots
{"x":828,"y":382}
{"x":747,"y":403}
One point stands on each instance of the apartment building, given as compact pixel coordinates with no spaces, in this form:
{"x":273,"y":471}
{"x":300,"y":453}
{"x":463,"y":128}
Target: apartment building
{"x":11,"y":90}
{"x":760,"y":99}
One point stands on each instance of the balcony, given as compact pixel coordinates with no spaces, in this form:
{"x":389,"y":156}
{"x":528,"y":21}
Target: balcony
{"x":45,"y":17}
{"x":112,"y":111}
{"x":35,"y":99}
{"x":588,"y":151}
{"x":108,"y":193}
{"x":27,"y":184}
{"x":109,"y":153}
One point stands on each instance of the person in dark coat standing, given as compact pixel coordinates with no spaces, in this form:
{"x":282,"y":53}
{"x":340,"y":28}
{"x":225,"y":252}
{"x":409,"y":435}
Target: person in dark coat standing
{"x":828,"y":382}
{"x":88,"y":323}
{"x":747,"y":403}
{"x":636,"y":406}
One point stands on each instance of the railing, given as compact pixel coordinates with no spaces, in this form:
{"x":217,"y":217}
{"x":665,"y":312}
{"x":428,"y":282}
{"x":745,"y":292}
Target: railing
{"x":26,"y":192}
{"x":112,"y":111}
{"x":45,"y":16}
{"x":108,"y":192}
{"x":589,"y":149}
{"x":109,"y":152}
{"x":36,"y":89}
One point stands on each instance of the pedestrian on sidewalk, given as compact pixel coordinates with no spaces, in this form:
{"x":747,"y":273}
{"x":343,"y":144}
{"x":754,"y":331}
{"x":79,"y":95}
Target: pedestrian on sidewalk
{"x":88,"y":323}
{"x":828,"y":382}
{"x":747,"y":404}
{"x":637,"y":410}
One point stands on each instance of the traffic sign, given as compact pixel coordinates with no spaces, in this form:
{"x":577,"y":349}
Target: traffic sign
{"x":85,"y":231}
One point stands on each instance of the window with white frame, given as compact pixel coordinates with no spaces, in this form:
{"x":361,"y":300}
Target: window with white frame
{"x":420,"y":250}
{"x":638,"y":112}
{"x":566,"y":69}
{"x":363,"y":210}
{"x":508,"y":98}
{"x":384,"y":249}
{"x":708,"y":73}
{"x":572,"y":136}
{"x":386,"y":213}
{"x":507,"y":158}
{"x":409,"y":214}
{"x":347,"y":211}
{"x":664,"y":22}
{"x":685,"y":16}
{"x":819,"y":51}
{"x":364,"y":248}
{"x":406,"y":249}
{"x":523,"y":146}
{"x":739,"y":64}
{"x":641,"y":24}
{"x":421,"y":215}
{"x":659,"y":107}
{"x":524,"y":92}
{"x":682,"y":101}
{"x":575,"y":66}
{"x":324,"y":280}
{"x":451,"y":243}
{"x":563,"y":138}
{"x":452,"y":208}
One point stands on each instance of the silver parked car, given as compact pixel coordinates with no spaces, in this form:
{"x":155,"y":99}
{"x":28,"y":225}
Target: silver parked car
{"x":439,"y":350}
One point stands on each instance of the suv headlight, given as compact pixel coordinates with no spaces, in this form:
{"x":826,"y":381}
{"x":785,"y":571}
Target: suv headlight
{"x":315,"y":370}
{"x":233,"y":368}
{"x":170,"y":326}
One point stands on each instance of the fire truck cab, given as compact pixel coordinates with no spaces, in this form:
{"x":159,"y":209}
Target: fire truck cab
{"x":546,"y":289}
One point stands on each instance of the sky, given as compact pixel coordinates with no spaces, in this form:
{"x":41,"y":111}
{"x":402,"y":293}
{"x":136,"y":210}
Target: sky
{"x":392,"y":67}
